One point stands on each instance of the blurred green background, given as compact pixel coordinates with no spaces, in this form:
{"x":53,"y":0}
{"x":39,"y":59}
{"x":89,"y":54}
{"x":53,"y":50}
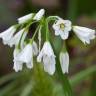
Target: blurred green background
{"x":81,"y":80}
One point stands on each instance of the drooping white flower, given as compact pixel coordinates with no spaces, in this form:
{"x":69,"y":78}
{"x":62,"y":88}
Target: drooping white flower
{"x":49,"y":64}
{"x":16,"y":38}
{"x":84,"y":34}
{"x":17,"y":65}
{"x":64,"y":61}
{"x":25,"y":18}
{"x":39,"y":15}
{"x":7,"y":34}
{"x":62,"y":28}
{"x":48,"y":58}
{"x":26,"y":56}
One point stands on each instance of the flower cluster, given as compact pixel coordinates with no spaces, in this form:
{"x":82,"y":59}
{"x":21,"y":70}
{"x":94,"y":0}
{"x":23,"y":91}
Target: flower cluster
{"x":27,"y":48}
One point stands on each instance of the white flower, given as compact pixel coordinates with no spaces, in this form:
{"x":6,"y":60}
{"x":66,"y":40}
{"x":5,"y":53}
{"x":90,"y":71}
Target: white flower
{"x":26,"y":56}
{"x":39,"y":15}
{"x":84,"y":34}
{"x":25,"y":18}
{"x":62,"y":28}
{"x":7,"y":34}
{"x":64,"y":61}
{"x":17,"y":65}
{"x":16,"y":38}
{"x":48,"y":58}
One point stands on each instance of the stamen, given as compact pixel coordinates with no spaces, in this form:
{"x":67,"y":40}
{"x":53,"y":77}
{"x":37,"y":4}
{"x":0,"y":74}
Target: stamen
{"x":62,"y":26}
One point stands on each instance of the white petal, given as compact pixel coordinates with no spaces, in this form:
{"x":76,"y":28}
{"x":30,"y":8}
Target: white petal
{"x":60,"y":21}
{"x":26,"y":54}
{"x":84,"y":34}
{"x":8,"y":34}
{"x":57,"y":32}
{"x":83,"y":30}
{"x":39,"y":15}
{"x":92,"y":36}
{"x":57,"y":29}
{"x":25,"y":18}
{"x":15,"y":53}
{"x":18,"y":66}
{"x":47,"y":48}
{"x":49,"y":64}
{"x":67,"y":23}
{"x":67,"y":28}
{"x":64,"y":61}
{"x":30,"y":65}
{"x":85,"y":40}
{"x":64,"y":35}
{"x":15,"y":40}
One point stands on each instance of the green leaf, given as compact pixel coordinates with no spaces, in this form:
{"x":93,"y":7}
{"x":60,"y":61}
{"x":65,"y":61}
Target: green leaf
{"x":4,"y":91}
{"x":82,"y":75}
{"x":27,"y":89}
{"x":8,"y":77}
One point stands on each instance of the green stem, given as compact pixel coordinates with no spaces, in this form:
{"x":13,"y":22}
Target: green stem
{"x":64,"y":80}
{"x":50,"y":18}
{"x":47,"y":31}
{"x":35,"y":33}
{"x":26,"y":30}
{"x":64,"y":49}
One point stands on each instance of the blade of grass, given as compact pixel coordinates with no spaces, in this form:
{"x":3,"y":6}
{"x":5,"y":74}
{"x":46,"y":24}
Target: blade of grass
{"x":79,"y":77}
{"x":27,"y":89}
{"x":4,"y":91}
{"x":8,"y":77}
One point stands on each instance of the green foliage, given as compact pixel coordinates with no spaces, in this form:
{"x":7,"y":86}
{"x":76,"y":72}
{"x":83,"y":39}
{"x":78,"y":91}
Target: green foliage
{"x":39,"y":83}
{"x":36,"y":83}
{"x":77,"y":78}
